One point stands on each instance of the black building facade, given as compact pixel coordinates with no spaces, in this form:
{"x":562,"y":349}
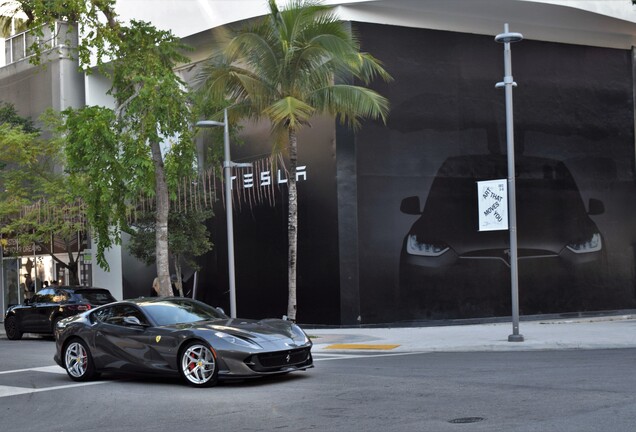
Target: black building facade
{"x":387,"y":225}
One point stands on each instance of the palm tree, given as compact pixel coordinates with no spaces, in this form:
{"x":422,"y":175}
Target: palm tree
{"x":287,"y":67}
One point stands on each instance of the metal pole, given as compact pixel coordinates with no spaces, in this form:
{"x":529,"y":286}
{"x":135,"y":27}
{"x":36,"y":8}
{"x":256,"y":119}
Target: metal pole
{"x":227,"y":167}
{"x":508,"y":83}
{"x":227,"y":170}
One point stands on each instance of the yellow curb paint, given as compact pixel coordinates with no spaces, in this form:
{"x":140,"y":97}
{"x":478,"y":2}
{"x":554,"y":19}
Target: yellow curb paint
{"x":361,"y":347}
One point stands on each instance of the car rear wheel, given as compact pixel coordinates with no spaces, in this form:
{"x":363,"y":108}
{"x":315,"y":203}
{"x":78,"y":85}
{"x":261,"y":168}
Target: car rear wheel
{"x":12,"y":328}
{"x":198,"y":366}
{"x":78,"y":361}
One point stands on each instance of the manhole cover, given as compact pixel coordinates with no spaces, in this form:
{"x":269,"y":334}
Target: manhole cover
{"x":466,"y":420}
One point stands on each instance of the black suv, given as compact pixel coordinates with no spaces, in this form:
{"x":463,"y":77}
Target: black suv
{"x":49,"y":305}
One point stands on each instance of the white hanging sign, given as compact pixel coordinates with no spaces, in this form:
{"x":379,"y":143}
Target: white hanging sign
{"x":492,"y":196}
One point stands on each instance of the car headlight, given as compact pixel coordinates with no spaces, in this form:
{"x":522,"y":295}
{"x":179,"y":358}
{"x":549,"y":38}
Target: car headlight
{"x":237,"y":340}
{"x":415,"y":247}
{"x":298,"y":335}
{"x":593,"y":244}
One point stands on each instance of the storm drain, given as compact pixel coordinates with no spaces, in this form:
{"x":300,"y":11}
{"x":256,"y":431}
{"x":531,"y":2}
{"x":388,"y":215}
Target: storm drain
{"x":463,"y":420}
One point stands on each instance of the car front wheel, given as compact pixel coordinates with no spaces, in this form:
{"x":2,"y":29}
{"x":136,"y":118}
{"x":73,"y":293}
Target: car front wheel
{"x":198,"y":366}
{"x":78,"y":361}
{"x":12,"y":328}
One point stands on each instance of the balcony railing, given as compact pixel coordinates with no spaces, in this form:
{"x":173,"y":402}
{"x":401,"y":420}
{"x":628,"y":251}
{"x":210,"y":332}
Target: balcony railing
{"x":18,"y":46}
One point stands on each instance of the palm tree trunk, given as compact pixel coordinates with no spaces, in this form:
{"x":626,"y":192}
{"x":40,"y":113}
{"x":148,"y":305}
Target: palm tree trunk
{"x":161,"y":221}
{"x":292,"y":226}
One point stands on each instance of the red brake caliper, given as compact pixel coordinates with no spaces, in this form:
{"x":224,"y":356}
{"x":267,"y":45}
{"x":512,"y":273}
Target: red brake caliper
{"x":192,"y":364}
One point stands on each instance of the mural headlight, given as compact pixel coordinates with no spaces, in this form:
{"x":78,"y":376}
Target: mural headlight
{"x":592,"y":244}
{"x":415,"y":247}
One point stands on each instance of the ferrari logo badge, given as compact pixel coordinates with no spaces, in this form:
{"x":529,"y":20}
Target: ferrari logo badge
{"x":158,"y":338}
{"x":288,"y":358}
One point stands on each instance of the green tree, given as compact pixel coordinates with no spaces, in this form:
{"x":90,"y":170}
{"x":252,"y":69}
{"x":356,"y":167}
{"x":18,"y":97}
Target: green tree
{"x":287,"y":67}
{"x":37,"y":201}
{"x":116,"y":155}
{"x":188,"y":239}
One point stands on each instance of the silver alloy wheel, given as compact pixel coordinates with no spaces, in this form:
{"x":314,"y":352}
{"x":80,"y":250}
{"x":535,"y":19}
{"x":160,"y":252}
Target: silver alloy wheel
{"x":76,"y":360}
{"x":198,"y":364}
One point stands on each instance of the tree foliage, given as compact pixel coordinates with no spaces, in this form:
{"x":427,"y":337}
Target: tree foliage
{"x":37,"y":201}
{"x":188,"y":238}
{"x":116,"y":154}
{"x":293,"y":64}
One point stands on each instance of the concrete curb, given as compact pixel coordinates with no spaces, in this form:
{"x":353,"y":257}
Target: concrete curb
{"x":583,"y":333}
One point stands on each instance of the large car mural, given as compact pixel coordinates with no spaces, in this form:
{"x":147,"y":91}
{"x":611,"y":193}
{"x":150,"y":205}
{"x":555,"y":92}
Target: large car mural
{"x":444,"y":250}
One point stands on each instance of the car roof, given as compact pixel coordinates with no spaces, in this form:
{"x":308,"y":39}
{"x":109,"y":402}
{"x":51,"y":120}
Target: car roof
{"x":146,"y":300}
{"x":77,"y":288}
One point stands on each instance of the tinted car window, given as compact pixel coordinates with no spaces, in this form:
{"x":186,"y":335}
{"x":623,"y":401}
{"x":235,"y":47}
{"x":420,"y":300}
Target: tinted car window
{"x":117,"y":313}
{"x":95,"y":297}
{"x":61,"y":296}
{"x":44,"y":296}
{"x":180,"y":311}
{"x":102,"y":314}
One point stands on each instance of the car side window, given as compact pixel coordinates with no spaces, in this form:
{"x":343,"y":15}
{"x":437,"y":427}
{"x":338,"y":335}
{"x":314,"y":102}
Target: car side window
{"x":44,"y":296}
{"x":60,"y":296}
{"x":119,"y":312}
{"x":102,"y":314}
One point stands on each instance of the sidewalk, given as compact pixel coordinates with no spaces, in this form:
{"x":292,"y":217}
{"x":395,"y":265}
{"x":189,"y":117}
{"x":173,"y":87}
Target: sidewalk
{"x":578,"y":333}
{"x":602,"y":332}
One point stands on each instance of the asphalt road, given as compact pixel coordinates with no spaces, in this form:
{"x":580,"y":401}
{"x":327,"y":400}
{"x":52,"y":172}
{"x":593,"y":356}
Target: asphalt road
{"x":571,"y":390}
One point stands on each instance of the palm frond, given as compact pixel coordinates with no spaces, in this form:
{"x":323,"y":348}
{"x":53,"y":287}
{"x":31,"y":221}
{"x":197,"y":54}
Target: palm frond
{"x":351,"y":103}
{"x":284,"y":68}
{"x":289,"y":111}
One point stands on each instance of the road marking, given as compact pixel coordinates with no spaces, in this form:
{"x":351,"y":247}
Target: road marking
{"x":353,"y":346}
{"x":12,"y":391}
{"x":330,"y":356}
{"x":51,"y":369}
{"x":6,"y":391}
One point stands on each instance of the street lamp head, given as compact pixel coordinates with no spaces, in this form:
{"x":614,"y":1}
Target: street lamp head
{"x":508,"y":37}
{"x":209,"y":123}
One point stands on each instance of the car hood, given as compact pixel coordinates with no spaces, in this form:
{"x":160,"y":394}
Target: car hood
{"x":256,"y":330}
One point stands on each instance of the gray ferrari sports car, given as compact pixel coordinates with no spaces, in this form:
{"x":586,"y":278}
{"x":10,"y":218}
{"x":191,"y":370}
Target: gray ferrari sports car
{"x":177,"y":336}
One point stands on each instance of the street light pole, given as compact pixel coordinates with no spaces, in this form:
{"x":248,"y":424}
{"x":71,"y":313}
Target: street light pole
{"x":227,"y":171}
{"x":507,"y":38}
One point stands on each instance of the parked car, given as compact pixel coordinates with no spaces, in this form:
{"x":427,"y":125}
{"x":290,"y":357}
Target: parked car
{"x":49,"y":305}
{"x":454,"y":270}
{"x":176,"y":336}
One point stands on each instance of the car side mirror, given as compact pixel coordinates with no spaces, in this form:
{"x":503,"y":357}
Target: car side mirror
{"x":27,"y":302}
{"x":595,"y":207}
{"x":133,"y":321}
{"x":411,"y":205}
{"x":220,"y":310}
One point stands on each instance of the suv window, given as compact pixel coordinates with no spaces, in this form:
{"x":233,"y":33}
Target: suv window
{"x":61,"y":296}
{"x":44,"y":296}
{"x":94,"y":297}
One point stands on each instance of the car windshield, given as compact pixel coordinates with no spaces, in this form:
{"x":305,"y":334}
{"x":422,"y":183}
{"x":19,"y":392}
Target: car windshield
{"x":169,"y":312}
{"x":546,"y":193}
{"x":95,"y":297}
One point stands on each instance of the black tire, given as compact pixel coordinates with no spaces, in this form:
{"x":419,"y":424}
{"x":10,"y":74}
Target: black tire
{"x":197,"y":365}
{"x":12,"y":328}
{"x":78,"y":361}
